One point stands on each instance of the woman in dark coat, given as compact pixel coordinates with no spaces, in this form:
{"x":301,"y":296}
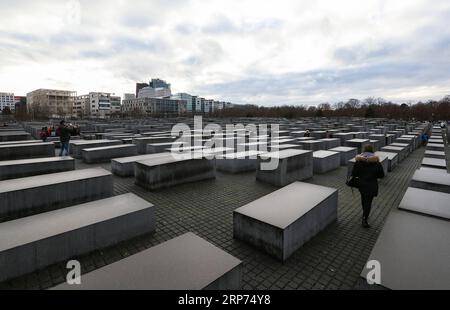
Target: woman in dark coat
{"x":367,"y":170}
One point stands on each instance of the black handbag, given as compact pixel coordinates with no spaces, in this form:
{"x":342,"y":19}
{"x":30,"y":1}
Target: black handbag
{"x":353,"y":182}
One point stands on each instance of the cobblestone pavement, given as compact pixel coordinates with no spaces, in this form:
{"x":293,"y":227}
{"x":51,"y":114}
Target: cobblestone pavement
{"x":331,"y":260}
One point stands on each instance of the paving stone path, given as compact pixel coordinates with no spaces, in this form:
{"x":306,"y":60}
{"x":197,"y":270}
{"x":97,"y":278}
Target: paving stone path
{"x":331,"y":260}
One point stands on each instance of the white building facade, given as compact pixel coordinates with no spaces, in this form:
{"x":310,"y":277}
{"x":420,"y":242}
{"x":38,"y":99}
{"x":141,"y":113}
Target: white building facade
{"x":7,"y":100}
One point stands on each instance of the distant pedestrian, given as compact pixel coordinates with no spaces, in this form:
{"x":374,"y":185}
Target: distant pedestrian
{"x":424,"y":138}
{"x":327,"y":134}
{"x":307,"y":133}
{"x":367,"y":170}
{"x":64,"y":137}
{"x":43,"y":134}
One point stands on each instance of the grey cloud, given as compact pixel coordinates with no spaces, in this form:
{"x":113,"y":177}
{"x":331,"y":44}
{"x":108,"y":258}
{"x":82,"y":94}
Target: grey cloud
{"x":336,"y":84}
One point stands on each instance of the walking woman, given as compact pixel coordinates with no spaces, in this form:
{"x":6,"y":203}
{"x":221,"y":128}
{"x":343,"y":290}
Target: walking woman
{"x":367,"y":170}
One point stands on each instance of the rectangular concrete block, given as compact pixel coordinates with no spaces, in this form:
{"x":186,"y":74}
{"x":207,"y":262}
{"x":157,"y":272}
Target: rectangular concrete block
{"x":187,"y":262}
{"x":169,"y":171}
{"x":31,"y":243}
{"x":325,"y":161}
{"x":76,"y":147}
{"x":358,"y":143}
{"x":415,"y":242}
{"x":392,"y":159}
{"x":141,"y":143}
{"x":435,"y":147}
{"x":289,"y":166}
{"x":106,"y":153}
{"x":11,"y":169}
{"x":434,"y":163}
{"x":343,"y":136}
{"x":124,"y":166}
{"x":427,"y":202}
{"x":331,"y":143}
{"x":24,"y":151}
{"x":14,"y":136}
{"x":56,"y":190}
{"x":313,"y":145}
{"x":431,"y":179}
{"x":435,"y":154}
{"x":20,"y":142}
{"x":401,"y":151}
{"x":281,"y":222}
{"x":346,"y":153}
{"x":238,"y":162}
{"x":155,"y":148}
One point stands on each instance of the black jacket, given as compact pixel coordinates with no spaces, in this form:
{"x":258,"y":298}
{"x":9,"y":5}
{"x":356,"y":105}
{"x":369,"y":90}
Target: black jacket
{"x":368,"y":170}
{"x":64,"y":133}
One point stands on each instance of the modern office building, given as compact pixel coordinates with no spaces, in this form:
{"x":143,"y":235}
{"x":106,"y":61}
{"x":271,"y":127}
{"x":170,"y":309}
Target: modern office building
{"x":51,"y":102}
{"x":129,"y":96}
{"x":139,"y":86}
{"x":155,"y":107}
{"x":154,"y":89}
{"x":95,"y":105}
{"x":208,"y":106}
{"x":20,"y":106}
{"x":150,"y":92}
{"x":116,"y":105}
{"x":199,"y":104}
{"x":7,"y":100}
{"x":190,"y":103}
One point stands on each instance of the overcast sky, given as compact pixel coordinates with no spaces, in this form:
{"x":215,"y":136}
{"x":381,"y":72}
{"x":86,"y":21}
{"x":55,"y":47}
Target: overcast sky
{"x":261,"y":52}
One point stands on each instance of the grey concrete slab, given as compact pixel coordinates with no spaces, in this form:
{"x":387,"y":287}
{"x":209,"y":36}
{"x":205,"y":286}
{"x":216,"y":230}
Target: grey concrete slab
{"x":407,"y":146}
{"x":34,"y":242}
{"x":312,"y":145}
{"x":331,"y":143}
{"x":284,"y":147}
{"x":141,"y":143}
{"x":413,"y":251}
{"x":238,"y":162}
{"x":435,"y":147}
{"x":293,"y":165}
{"x":343,"y":136}
{"x":408,"y":141}
{"x":392,"y":159}
{"x":435,"y":154}
{"x":29,"y":167}
{"x":76,"y":147}
{"x":401,"y":151}
{"x":281,"y":222}
{"x":428,"y":202}
{"x":434,"y":163}
{"x":124,"y":166}
{"x":106,"y":153}
{"x":20,"y":142}
{"x":24,"y":151}
{"x":155,"y":148}
{"x":436,"y":170}
{"x":14,"y":136}
{"x":358,"y":143}
{"x":376,"y":144}
{"x":187,"y":262}
{"x":380,"y":137}
{"x":54,"y":190}
{"x":325,"y":161}
{"x":431,"y":180}
{"x":165,"y":172}
{"x":346,"y":153}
